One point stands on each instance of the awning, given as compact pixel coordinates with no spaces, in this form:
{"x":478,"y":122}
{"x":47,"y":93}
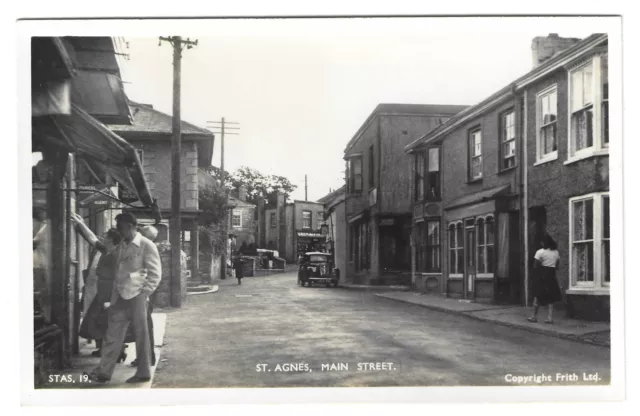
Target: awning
{"x":482,"y":196}
{"x":100,"y":147}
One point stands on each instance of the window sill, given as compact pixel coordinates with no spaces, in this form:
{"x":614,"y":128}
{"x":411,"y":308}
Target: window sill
{"x":589,"y":291}
{"x":547,"y":159}
{"x":507,"y":170}
{"x":428,"y":274}
{"x":472,"y":181}
{"x":456,"y":276}
{"x":587,"y":155}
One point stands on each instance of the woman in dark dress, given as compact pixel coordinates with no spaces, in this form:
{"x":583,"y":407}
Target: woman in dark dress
{"x":546,"y":290}
{"x":238,"y":265}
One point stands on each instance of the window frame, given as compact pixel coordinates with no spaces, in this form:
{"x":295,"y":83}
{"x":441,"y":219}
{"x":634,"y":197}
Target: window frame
{"x":272,"y":220}
{"x":553,"y":155}
{"x":598,"y":284}
{"x":372,"y":166}
{"x":504,"y":141}
{"x":471,"y":156}
{"x":352,"y":177}
{"x":427,"y":175}
{"x":596,"y":106}
{"x":235,"y":213}
{"x":419,"y":176}
{"x":307,"y":211}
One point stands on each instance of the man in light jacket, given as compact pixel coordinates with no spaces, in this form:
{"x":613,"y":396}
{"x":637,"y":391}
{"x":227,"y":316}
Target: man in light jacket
{"x":138,"y":273}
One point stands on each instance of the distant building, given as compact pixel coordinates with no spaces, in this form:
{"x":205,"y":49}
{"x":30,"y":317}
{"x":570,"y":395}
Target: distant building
{"x":335,"y":218}
{"x":242,"y":218}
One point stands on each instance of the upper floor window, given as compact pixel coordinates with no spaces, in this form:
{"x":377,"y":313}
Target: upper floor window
{"x":475,"y":155}
{"x":433,"y":174}
{"x":508,"y":139}
{"x":418,"y":176}
{"x":236,"y":219}
{"x":371,"y":166}
{"x":320,"y":218}
{"x":546,"y":121}
{"x":589,"y":264}
{"x":273,"y":220}
{"x":354,"y":174}
{"x":306,"y":219}
{"x":589,"y":107}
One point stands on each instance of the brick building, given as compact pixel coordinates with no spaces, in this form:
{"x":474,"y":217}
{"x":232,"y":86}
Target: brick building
{"x":378,"y":190}
{"x":150,"y":133}
{"x":498,"y":197}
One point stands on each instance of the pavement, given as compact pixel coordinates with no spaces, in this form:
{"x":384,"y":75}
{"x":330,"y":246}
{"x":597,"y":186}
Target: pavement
{"x":84,"y":362}
{"x":270,"y":332}
{"x":512,"y":316}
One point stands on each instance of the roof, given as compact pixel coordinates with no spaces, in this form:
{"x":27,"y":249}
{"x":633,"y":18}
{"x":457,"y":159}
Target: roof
{"x":550,"y":65}
{"x":331,"y":195}
{"x":406,"y":110}
{"x":146,"y":119}
{"x":240,"y":203}
{"x":484,"y":195}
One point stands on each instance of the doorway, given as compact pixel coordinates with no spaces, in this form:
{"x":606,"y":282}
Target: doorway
{"x":470,"y":268}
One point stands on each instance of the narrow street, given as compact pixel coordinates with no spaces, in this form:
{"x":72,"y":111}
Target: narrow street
{"x":268,"y":323}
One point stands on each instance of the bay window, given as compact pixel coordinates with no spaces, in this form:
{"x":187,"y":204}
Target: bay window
{"x":355,"y":174}
{"x":433,"y":246}
{"x":589,"y":262}
{"x":433,"y":174}
{"x":589,"y":107}
{"x":420,"y":247}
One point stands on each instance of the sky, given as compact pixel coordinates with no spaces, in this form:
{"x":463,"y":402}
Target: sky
{"x":301,"y":88}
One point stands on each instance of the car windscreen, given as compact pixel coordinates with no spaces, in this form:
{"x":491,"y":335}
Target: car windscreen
{"x":317,"y":258}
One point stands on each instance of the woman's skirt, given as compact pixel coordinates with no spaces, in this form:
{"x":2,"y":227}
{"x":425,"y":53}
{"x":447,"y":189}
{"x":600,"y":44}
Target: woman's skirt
{"x":545,"y":287}
{"x":95,"y":323}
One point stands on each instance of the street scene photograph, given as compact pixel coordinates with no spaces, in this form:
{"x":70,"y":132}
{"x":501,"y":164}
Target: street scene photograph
{"x":317,"y":203}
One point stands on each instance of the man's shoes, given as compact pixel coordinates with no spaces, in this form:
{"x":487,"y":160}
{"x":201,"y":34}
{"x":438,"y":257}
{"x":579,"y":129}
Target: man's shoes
{"x":134,"y":363}
{"x":93,"y":377}
{"x":138,"y":379}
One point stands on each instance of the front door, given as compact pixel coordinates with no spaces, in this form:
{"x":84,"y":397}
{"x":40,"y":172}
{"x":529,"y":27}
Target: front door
{"x":470,"y":263}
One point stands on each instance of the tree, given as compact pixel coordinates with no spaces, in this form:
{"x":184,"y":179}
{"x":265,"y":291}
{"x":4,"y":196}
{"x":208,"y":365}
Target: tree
{"x":261,"y":185}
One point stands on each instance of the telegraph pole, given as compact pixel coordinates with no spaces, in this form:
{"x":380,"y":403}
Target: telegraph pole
{"x":305,"y":187}
{"x":222,"y":127}
{"x":176,"y":150}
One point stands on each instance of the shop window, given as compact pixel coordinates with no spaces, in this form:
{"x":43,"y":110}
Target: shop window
{"x":306,"y":220}
{"x":508,"y":140}
{"x":475,"y":155}
{"x":590,"y":241}
{"x":456,"y":250}
{"x":589,"y":107}
{"x":546,"y":120}
{"x":433,"y":246}
{"x":485,"y":238}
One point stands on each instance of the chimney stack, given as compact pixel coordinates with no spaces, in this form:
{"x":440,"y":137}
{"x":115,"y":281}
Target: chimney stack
{"x":545,"y":47}
{"x":242,"y":193}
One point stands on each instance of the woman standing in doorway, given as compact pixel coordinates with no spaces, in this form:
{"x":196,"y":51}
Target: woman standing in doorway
{"x":546,"y":290}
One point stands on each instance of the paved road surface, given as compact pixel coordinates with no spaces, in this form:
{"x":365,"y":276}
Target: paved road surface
{"x":220,"y":340}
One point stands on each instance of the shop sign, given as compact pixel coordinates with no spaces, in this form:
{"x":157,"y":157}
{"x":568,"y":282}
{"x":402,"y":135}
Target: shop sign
{"x":418,"y":211}
{"x":387,"y":222}
{"x":309,"y":234}
{"x":97,"y":198}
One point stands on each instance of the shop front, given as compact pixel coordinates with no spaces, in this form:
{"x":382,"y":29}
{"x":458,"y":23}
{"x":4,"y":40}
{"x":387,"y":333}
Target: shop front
{"x":482,"y":240}
{"x":307,"y":241}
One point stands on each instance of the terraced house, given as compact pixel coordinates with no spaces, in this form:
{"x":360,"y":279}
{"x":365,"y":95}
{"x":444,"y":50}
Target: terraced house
{"x":529,"y":160}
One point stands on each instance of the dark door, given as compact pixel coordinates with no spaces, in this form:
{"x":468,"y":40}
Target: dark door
{"x":470,"y":268}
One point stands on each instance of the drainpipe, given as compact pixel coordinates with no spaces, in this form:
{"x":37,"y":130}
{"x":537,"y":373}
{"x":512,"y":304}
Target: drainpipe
{"x":525,"y":199}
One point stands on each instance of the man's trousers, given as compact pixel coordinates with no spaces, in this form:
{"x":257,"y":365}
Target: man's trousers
{"x":121,"y":314}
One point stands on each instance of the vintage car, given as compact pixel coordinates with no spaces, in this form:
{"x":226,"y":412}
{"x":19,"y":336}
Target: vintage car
{"x":316,"y":267}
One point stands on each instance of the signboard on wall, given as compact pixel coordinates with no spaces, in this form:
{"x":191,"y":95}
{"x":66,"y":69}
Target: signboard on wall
{"x":386,"y":222}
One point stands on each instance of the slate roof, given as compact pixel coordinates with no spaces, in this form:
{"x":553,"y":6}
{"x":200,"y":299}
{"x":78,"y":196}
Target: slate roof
{"x":150,"y":120}
{"x":331,"y":195}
